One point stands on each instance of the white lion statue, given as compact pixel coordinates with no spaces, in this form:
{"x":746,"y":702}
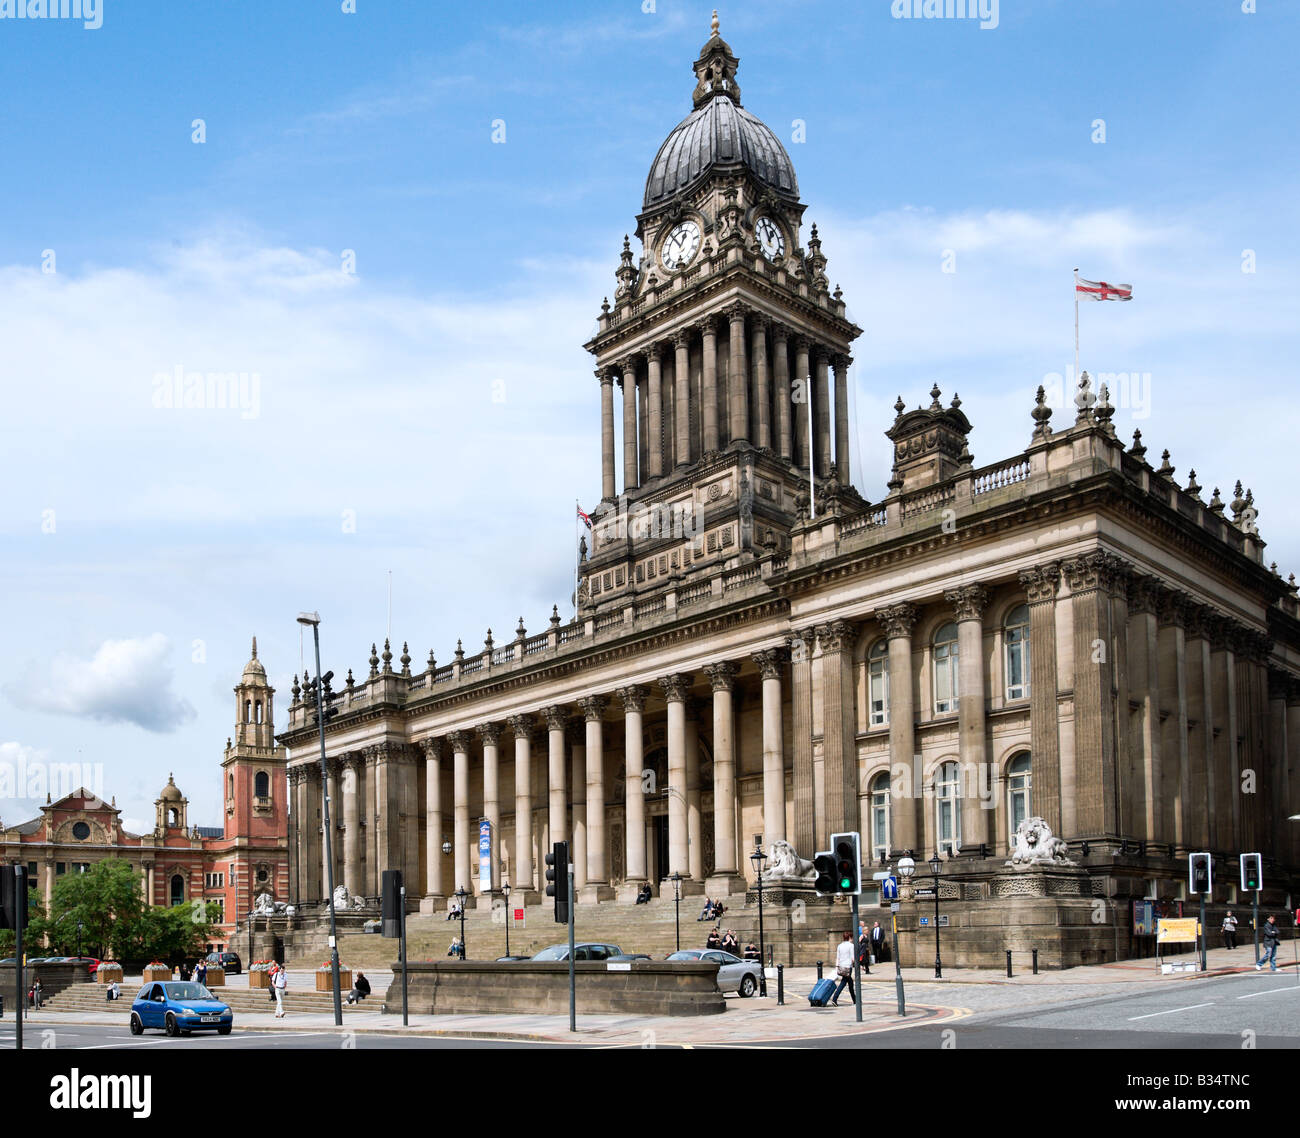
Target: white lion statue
{"x":786,"y":864}
{"x":1035,"y":845}
{"x":264,"y":906}
{"x":341,"y":897}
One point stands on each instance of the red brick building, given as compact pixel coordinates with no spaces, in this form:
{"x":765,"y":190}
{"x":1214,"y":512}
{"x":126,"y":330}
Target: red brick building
{"x":231,"y":864}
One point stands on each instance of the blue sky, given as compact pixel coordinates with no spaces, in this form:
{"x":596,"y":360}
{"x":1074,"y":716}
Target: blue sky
{"x":439,"y":396}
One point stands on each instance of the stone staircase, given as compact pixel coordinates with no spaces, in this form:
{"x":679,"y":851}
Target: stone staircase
{"x":645,"y":928}
{"x":300,"y":997}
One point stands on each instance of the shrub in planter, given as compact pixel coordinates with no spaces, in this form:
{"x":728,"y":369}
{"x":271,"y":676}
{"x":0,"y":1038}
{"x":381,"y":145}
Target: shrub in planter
{"x":325,"y":978}
{"x":259,"y":974}
{"x":216,"y":977}
{"x":108,"y":971}
{"x":157,"y":971}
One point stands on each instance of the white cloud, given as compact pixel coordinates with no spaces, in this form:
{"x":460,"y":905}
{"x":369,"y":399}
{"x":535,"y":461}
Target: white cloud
{"x":125,"y":681}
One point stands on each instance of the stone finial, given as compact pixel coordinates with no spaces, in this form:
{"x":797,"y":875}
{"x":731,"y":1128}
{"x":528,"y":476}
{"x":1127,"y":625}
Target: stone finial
{"x":1137,"y":450}
{"x":387,"y":657}
{"x":1166,"y":470}
{"x":1216,"y":503}
{"x":555,"y":616}
{"x":604,"y":307}
{"x":487,"y":641}
{"x":1193,"y":487}
{"x":1273,"y":568}
{"x":956,"y":401}
{"x":433,"y":664}
{"x":374,"y":660}
{"x":1041,"y":414}
{"x":1104,"y":411}
{"x":1084,"y":399}
{"x":520,"y":631}
{"x":295,"y":690}
{"x":1238,"y":503}
{"x":406,"y":659}
{"x":838,"y":294}
{"x":900,"y":406}
{"x":713,"y":24}
{"x":1291,"y":582}
{"x":351,"y":683}
{"x":935,"y":405}
{"x":460,"y":652}
{"x":254,"y":647}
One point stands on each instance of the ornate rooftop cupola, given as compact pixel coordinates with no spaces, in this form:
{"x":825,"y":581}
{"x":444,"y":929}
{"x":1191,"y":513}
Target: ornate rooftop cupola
{"x":929,"y":443}
{"x":715,"y":70}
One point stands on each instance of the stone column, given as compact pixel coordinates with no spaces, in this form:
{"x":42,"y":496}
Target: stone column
{"x":633,"y":749}
{"x":725,"y":879}
{"x":762,"y":393}
{"x":769,"y":665}
{"x":1292,"y":846}
{"x":968,"y":603}
{"x":839,"y":727}
{"x":906,"y":772}
{"x":682,"y":395}
{"x":1171,"y":639}
{"x":149,"y":896}
{"x":434,"y":890}
{"x":694,"y":794}
{"x":1200,"y":729}
{"x":460,"y":795}
{"x":607,"y":489}
{"x":781,"y":382}
{"x":674,"y":688}
{"x":1278,"y":776}
{"x":575,"y":733}
{"x":370,"y":828}
{"x":330,"y":850}
{"x":802,"y":407}
{"x":654,"y":381}
{"x":708,"y":330}
{"x":1126,"y":777}
{"x":490,"y":733}
{"x":1041,"y":585}
{"x":804,"y":838}
{"x":822,"y":409}
{"x":738,"y":374}
{"x":384,"y":791}
{"x":627,"y":381}
{"x":1094,"y":702}
{"x":1226,"y":783}
{"x":842,"y":470}
{"x":351,"y":829}
{"x":409,"y":820}
{"x":642,"y":422}
{"x":1144,"y":675}
{"x":522,"y":883}
{"x":597,"y":886}
{"x":557,"y":799}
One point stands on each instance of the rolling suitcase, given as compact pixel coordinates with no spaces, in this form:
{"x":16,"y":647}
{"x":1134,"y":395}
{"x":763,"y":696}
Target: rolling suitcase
{"x":821,"y":993}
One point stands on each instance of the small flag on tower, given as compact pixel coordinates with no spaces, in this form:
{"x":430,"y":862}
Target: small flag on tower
{"x":586,"y":521}
{"x":1100,"y":290}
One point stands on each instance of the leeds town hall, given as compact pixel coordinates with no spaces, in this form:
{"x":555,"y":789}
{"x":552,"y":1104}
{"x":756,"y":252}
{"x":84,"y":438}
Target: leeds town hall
{"x":1073,"y":633}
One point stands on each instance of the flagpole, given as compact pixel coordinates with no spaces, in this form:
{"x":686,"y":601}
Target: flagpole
{"x":1076,"y":324}
{"x":576,"y":533}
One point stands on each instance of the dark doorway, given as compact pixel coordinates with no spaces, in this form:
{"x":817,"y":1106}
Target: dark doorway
{"x":660,"y":822}
{"x":278,"y":954}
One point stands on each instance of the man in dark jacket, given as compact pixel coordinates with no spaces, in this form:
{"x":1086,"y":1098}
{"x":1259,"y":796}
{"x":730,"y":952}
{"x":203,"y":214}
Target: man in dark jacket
{"x":1272,"y":936}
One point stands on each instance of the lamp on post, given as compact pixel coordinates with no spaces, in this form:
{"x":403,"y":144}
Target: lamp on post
{"x":759,"y":858}
{"x":461,"y":897}
{"x":676,"y":879}
{"x":935,"y":865}
{"x":505,"y":892}
{"x":313,"y":619}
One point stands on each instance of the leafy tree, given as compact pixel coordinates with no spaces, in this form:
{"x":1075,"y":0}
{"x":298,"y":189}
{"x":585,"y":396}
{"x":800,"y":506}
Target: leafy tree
{"x":105,"y":900}
{"x":33,"y":930}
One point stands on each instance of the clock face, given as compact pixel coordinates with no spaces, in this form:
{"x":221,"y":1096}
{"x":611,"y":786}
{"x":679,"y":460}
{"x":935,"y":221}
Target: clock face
{"x":680,"y":245}
{"x":770,"y":240}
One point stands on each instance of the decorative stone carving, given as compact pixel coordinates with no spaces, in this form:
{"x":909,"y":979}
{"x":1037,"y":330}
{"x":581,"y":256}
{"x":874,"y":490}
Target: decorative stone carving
{"x":897,"y":620}
{"x":459,"y":742}
{"x":1041,"y":582}
{"x":722,"y":676}
{"x":432,"y":747}
{"x":633,"y":698}
{"x":523,"y":726}
{"x":675,"y":686}
{"x":769,"y":663}
{"x":1091,"y":571}
{"x":968,"y":601}
{"x":786,"y":865}
{"x":1035,"y":845}
{"x":593,"y":707}
{"x":556,"y":717}
{"x":490,"y":733}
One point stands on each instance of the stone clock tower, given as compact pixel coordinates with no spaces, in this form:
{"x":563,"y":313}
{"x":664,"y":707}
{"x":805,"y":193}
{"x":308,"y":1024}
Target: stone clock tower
{"x":730,"y":352}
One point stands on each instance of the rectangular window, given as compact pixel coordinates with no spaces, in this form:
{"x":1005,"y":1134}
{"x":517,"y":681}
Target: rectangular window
{"x":81,"y":867}
{"x":945,"y":684}
{"x":59,"y":868}
{"x":214,"y":880}
{"x":31,"y":875}
{"x":1017,"y":681}
{"x":879,"y":695}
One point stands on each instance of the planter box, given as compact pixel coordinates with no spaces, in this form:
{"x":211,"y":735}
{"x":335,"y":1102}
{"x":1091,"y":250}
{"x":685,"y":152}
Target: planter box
{"x":152,"y":974}
{"x":259,"y":979}
{"x":325,"y":980}
{"x":216,"y":978}
{"x":108,"y":975}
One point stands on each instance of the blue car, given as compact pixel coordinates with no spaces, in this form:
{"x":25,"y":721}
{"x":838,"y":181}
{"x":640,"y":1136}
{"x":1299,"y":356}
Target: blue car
{"x":179,"y":1008}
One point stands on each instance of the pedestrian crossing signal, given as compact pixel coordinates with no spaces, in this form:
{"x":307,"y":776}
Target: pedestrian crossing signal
{"x":1252,"y":872}
{"x":824,"y":864}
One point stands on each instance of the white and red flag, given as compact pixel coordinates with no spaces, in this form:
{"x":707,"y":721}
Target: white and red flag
{"x":1100,"y":290}
{"x":584,"y":518}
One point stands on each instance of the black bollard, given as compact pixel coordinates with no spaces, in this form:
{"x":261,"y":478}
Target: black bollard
{"x":780,"y":983}
{"x":819,"y":970}
{"x":1035,"y":962}
{"x":1008,"y":962}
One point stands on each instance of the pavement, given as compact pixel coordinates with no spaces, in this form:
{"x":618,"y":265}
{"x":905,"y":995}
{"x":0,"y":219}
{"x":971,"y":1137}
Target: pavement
{"x":960,"y":993}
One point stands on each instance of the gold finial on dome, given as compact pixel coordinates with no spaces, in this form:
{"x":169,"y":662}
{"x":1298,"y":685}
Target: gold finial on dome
{"x":714,"y":25}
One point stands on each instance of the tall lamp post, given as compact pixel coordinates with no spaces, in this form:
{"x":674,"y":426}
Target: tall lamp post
{"x":313,"y":619}
{"x":759,"y":858}
{"x":461,"y":897}
{"x":505,"y":892}
{"x":676,"y":879}
{"x":935,"y":865}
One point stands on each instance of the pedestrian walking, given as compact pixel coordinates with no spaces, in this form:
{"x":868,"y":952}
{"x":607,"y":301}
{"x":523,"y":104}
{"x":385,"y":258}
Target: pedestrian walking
{"x":1230,"y":931}
{"x":879,"y":947}
{"x":844,"y":969}
{"x":279,"y":983}
{"x":1272,"y":936}
{"x":864,"y":953}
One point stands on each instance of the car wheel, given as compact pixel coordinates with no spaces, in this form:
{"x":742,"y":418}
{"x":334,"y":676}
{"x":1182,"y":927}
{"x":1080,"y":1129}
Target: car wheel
{"x":224,"y":1030}
{"x":137,"y":1028}
{"x":748,"y":985}
{"x":173,"y":1028}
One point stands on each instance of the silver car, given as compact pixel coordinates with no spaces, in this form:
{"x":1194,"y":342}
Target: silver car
{"x":733,"y":973}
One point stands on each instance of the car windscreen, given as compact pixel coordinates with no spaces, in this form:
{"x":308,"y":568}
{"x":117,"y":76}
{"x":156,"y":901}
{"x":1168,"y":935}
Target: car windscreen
{"x":187,"y":992}
{"x":556,"y":953}
{"x":685,"y":956}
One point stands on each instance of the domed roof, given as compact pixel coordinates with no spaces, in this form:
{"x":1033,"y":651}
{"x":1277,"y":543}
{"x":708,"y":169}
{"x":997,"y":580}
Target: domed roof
{"x":253,"y":669}
{"x":720,"y":133}
{"x":171,"y":792}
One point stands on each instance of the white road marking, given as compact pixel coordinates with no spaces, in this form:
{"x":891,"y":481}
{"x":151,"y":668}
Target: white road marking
{"x":1266,"y":991}
{"x":1171,"y":1011}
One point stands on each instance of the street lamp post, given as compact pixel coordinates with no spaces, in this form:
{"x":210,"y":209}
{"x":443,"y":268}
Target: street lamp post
{"x":935,"y":866}
{"x":759,"y":858}
{"x":461,"y":896}
{"x":505,"y":890}
{"x":676,"y":879}
{"x":313,"y":619}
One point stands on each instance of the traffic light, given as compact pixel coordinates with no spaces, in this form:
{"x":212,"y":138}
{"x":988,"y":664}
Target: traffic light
{"x":557,"y":880}
{"x":1200,"y":874}
{"x":13,"y":896}
{"x":824,"y":864}
{"x":391,"y":913}
{"x":328,"y":696}
{"x":848,"y":863}
{"x":1252,"y":872}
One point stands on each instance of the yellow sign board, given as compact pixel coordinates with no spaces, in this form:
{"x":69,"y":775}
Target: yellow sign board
{"x":1177,"y":930}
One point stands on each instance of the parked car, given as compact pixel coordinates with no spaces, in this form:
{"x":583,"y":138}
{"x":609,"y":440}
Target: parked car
{"x":733,"y":973}
{"x":91,"y":962}
{"x":585,"y":951}
{"x":506,"y":959}
{"x":626,"y":956}
{"x":228,"y":960}
{"x":179,"y":1008}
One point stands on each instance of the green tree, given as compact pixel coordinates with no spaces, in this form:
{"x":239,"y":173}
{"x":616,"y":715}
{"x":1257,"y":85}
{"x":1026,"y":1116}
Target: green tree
{"x":105,"y":901}
{"x":33,"y":930}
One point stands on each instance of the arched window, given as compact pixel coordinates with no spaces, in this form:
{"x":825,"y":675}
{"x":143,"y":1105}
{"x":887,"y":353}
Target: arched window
{"x":257,"y":712}
{"x":878,"y":684}
{"x":232,"y":786}
{"x":1017,"y":652}
{"x":172,"y":816}
{"x":1019,"y":792}
{"x":880,"y":816}
{"x":945,"y":668}
{"x":248,"y":711}
{"x":947,"y":805}
{"x":262,"y":785}
{"x":177,"y":889}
